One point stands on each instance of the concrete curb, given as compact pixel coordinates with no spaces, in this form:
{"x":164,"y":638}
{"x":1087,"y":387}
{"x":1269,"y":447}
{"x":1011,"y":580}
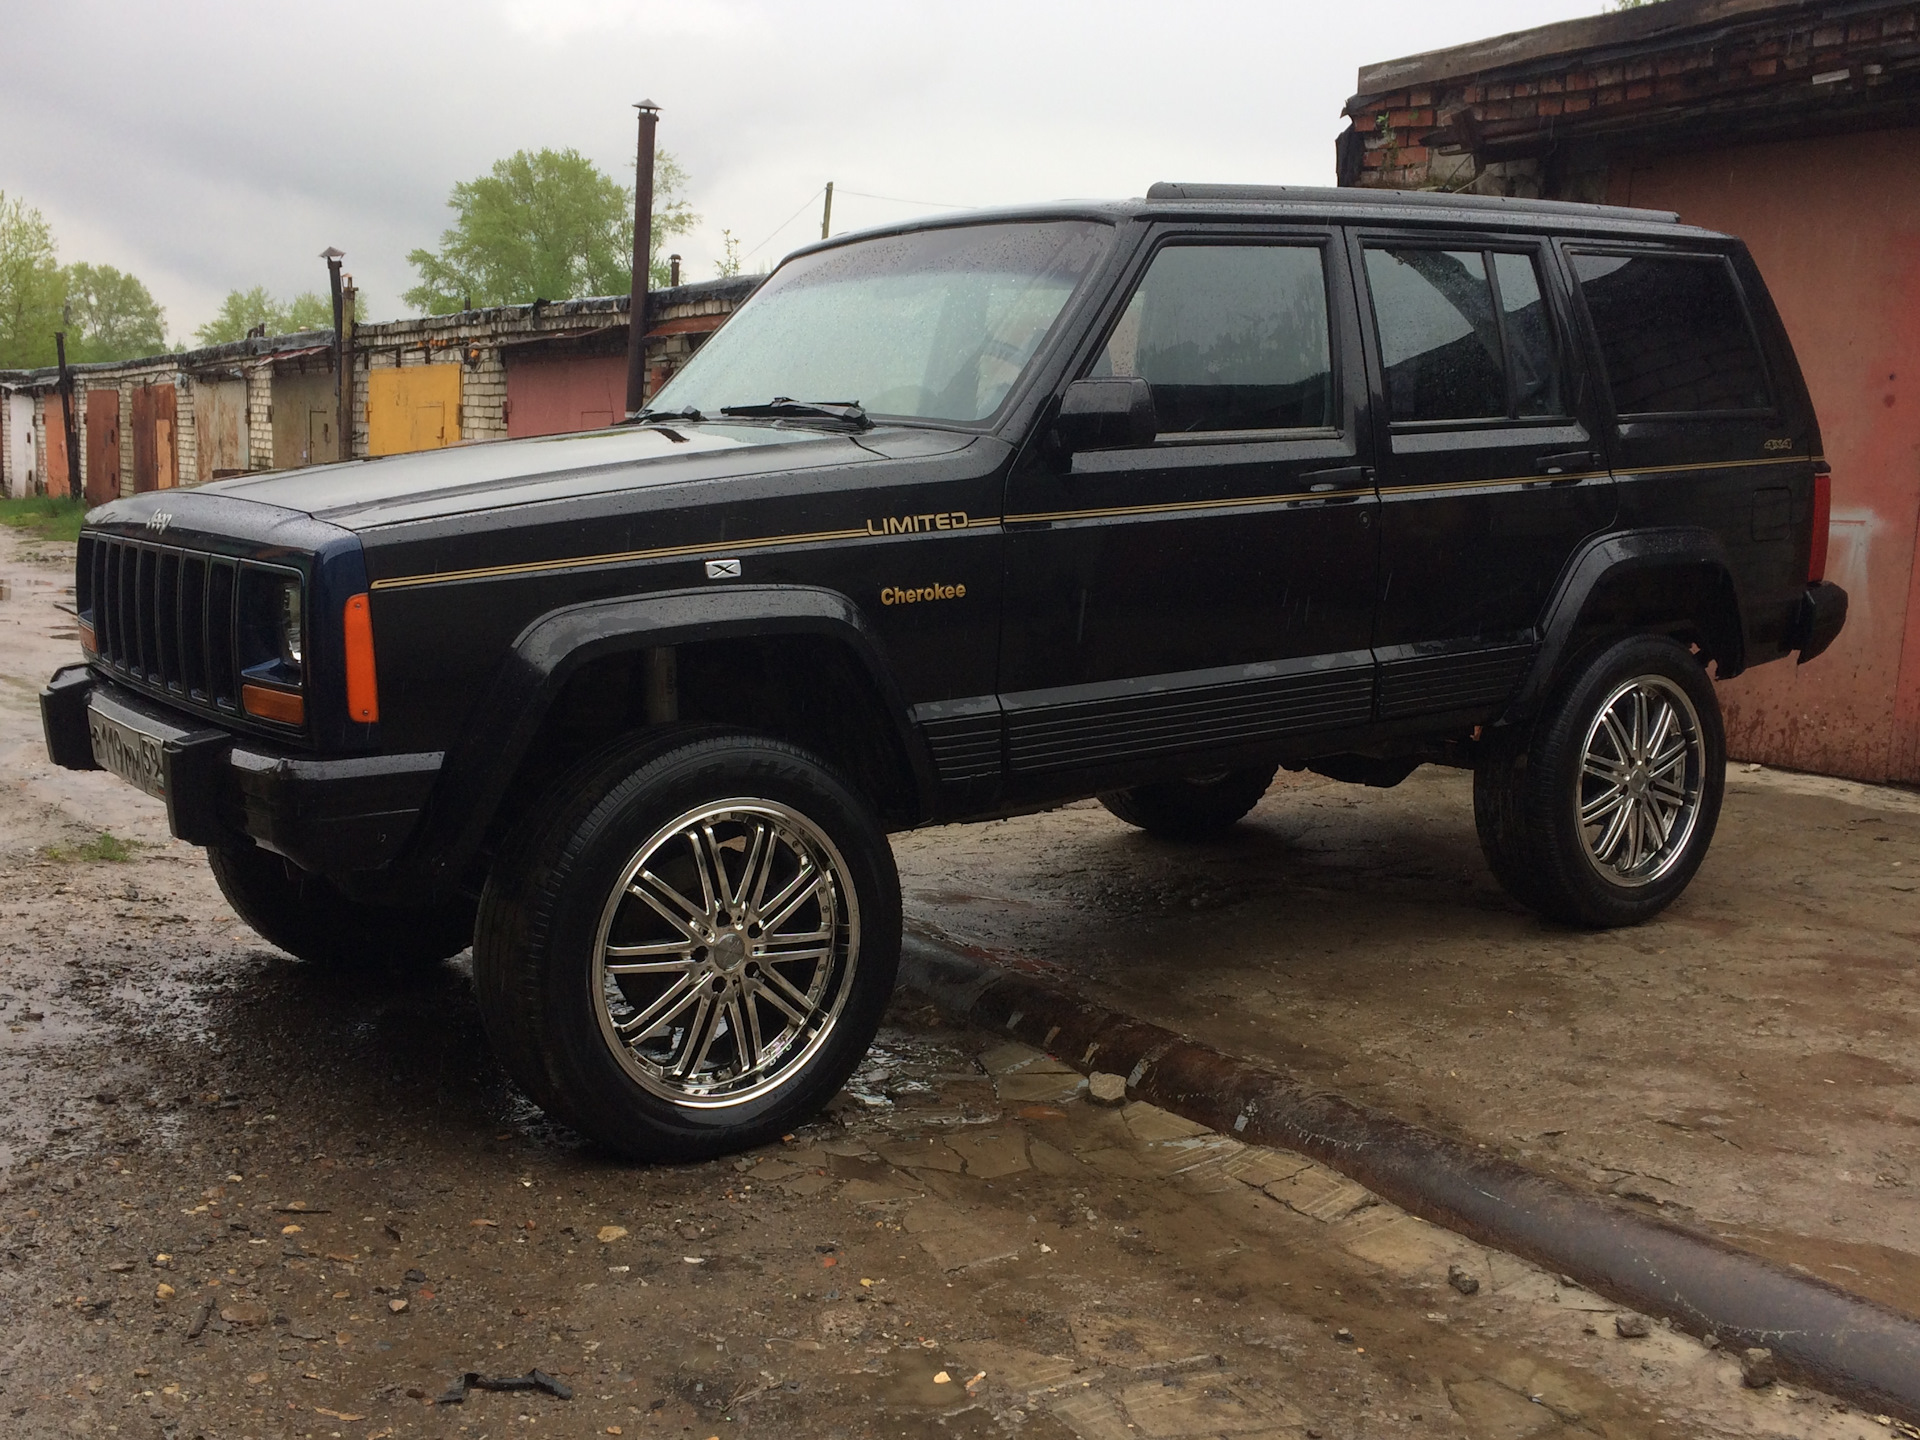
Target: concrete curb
{"x":1819,"y":1334}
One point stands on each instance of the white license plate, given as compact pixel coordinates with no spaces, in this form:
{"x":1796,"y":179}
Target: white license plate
{"x":133,"y":756}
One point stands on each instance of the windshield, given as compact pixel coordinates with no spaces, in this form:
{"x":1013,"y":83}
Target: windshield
{"x":935,"y":325}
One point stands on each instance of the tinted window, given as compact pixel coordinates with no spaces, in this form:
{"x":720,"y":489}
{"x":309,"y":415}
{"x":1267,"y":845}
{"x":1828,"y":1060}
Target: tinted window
{"x":1672,"y":333}
{"x":1231,"y":337}
{"x":1439,"y":334}
{"x":1523,"y":320}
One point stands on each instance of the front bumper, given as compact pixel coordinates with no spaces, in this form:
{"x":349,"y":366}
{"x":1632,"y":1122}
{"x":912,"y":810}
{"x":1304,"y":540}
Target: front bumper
{"x":331,"y":816}
{"x":1818,"y":620}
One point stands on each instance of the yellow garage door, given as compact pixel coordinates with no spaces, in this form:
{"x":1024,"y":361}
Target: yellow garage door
{"x":416,"y":407}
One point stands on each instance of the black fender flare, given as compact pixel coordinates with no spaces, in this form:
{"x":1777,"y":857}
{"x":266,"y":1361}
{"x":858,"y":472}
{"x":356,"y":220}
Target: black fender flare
{"x":1607,"y":557}
{"x":548,"y":651}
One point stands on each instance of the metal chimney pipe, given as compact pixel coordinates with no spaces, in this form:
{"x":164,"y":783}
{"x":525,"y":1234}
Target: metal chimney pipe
{"x":642,"y":249}
{"x":342,"y":392}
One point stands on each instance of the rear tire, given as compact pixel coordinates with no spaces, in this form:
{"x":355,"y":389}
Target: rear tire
{"x":687,"y":947}
{"x":1601,"y":811}
{"x":309,"y":917}
{"x":1191,"y":809}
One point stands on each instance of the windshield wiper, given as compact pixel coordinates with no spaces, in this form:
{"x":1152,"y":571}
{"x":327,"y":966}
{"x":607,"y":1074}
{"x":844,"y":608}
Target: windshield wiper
{"x":782,"y":408}
{"x":650,"y":416}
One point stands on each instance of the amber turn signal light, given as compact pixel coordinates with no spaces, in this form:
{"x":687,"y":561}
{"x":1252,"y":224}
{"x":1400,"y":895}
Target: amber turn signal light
{"x":281,"y":705}
{"x":86,"y":638}
{"x":363,"y":686}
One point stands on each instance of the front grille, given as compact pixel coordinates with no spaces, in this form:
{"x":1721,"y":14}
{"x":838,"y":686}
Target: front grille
{"x":164,"y":618}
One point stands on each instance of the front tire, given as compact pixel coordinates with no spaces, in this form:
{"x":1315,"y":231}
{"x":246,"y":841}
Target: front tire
{"x":1191,"y":809}
{"x":687,"y":948}
{"x":310,"y":918}
{"x":1600,"y":813}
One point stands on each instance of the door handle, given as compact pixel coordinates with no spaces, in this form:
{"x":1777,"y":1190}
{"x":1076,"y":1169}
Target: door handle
{"x":1567,"y":462}
{"x":1348,"y":477}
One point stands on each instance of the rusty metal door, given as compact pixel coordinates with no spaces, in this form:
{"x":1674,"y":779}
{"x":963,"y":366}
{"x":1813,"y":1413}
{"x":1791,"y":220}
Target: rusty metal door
{"x":220,"y":428}
{"x":552,"y":395}
{"x":53,"y":428}
{"x":415,"y":407}
{"x":156,"y":462}
{"x":297,"y":439}
{"x":103,"y":444}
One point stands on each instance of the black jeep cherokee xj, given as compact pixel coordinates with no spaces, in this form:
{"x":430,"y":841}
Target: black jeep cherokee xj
{"x":961,"y":518}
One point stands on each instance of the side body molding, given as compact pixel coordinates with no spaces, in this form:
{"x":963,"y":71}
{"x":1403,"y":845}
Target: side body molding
{"x":515,"y":702}
{"x":1604,"y":558}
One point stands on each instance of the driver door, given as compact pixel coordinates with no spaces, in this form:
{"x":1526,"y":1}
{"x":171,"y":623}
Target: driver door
{"x":1212,"y":592}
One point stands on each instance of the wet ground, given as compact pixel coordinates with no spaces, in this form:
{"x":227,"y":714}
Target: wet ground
{"x":1745,"y":1063}
{"x":242,"y":1196}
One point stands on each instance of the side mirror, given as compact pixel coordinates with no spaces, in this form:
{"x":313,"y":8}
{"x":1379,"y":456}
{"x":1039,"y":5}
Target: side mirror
{"x":1110,"y":413}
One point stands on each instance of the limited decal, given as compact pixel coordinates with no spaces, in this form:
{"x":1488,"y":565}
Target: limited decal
{"x":915,"y":524}
{"x":897,"y":596}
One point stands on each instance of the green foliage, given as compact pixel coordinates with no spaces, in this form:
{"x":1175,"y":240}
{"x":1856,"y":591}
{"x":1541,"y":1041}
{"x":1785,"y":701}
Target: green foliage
{"x":545,"y":225}
{"x":111,"y":315}
{"x":104,"y":846}
{"x":31,"y":286}
{"x":49,"y":517}
{"x":244,"y":309}
{"x":729,"y":261}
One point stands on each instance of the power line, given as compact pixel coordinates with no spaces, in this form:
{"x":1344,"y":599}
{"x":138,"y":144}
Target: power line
{"x":901,"y":200}
{"x":786,"y":222}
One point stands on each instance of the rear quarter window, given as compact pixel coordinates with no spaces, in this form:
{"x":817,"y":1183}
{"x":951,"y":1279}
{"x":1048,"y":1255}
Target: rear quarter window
{"x":1673,"y":333}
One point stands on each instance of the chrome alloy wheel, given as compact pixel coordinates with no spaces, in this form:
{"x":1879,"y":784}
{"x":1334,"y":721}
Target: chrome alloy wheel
{"x":726,"y":952}
{"x":1641,"y":771}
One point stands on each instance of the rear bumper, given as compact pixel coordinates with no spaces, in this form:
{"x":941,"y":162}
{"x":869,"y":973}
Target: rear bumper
{"x":1818,"y":620}
{"x":331,"y":816}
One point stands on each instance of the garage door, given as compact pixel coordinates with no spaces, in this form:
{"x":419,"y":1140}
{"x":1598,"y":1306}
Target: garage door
{"x":415,"y":407}
{"x":552,"y":395}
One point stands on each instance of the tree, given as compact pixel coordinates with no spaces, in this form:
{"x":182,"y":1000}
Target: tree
{"x":111,"y":315}
{"x":242,"y":310}
{"x":545,"y":225}
{"x":31,"y":286}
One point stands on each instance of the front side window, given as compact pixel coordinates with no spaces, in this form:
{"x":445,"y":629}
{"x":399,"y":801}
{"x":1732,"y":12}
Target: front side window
{"x":931,"y":325}
{"x":1673,"y":334}
{"x":1464,"y":334}
{"x":1230,"y":337}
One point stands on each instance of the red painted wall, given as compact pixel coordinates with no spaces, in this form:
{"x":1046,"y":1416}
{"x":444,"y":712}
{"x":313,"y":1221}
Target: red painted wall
{"x":1834,"y":223}
{"x":551,"y":395}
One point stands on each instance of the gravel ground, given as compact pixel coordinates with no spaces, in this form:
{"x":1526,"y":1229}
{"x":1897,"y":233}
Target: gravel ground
{"x":245,"y":1197}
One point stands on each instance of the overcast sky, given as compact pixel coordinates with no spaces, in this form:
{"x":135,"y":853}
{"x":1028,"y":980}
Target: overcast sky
{"x":208,"y":146}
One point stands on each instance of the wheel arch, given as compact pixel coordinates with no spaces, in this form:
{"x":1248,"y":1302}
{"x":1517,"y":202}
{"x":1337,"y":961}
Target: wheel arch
{"x":1676,"y":579}
{"x":566,"y":649}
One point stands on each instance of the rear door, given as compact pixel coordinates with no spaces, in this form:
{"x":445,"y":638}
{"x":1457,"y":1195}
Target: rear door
{"x":1709,"y":432}
{"x":1490,"y":471}
{"x":1211,"y":590}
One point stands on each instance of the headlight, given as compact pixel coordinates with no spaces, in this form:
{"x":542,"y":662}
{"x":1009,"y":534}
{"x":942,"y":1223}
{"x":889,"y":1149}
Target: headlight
{"x":292,"y":636}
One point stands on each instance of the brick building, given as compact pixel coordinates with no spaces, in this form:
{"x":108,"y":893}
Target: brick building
{"x":1796,"y":126}
{"x":269,"y":404}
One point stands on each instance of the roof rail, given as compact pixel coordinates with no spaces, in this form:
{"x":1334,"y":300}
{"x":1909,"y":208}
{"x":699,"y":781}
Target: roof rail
{"x":1321,"y":195}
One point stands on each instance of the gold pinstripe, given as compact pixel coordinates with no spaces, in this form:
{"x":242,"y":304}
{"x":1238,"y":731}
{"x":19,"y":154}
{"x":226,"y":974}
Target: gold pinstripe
{"x":669,"y":552}
{"x":628,"y":557}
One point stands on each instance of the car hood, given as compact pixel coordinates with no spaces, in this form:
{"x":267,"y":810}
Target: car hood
{"x":403,"y":489}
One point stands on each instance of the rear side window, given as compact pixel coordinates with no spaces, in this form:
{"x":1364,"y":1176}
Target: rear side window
{"x":1673,"y":333}
{"x":1463,"y":334}
{"x":1231,"y":337}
